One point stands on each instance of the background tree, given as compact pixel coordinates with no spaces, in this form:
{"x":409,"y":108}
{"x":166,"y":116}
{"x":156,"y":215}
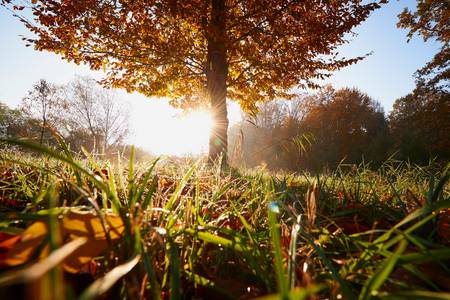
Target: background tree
{"x":316,"y":131}
{"x":43,"y":103}
{"x":346,"y":123}
{"x":93,"y":112}
{"x":420,"y":125}
{"x":431,"y":21}
{"x":262,"y":136}
{"x":250,"y":140}
{"x":248,"y":51}
{"x":283,"y":143}
{"x":12,"y":122}
{"x":83,"y":112}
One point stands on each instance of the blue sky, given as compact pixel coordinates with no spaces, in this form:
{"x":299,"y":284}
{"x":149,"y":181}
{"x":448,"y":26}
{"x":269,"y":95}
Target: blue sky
{"x":385,"y":75}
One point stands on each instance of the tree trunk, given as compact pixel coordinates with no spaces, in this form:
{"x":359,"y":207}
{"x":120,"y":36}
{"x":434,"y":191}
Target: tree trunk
{"x":41,"y":139}
{"x":216,"y":77}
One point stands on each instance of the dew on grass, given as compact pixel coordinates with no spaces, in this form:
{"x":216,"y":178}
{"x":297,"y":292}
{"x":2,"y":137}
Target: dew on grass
{"x":160,"y":230}
{"x":305,"y":267}
{"x":273,"y":207}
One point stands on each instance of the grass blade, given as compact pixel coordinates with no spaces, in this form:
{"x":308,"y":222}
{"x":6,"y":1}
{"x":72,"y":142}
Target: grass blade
{"x":382,"y":273}
{"x":416,"y":295}
{"x":327,"y":262}
{"x":155,"y":287}
{"x":214,"y":239}
{"x":200,"y":280}
{"x":180,"y":187}
{"x":45,"y":150}
{"x":40,"y":268}
{"x":276,"y":243}
{"x":103,"y":284}
{"x":175,"y":276}
{"x":292,"y":256}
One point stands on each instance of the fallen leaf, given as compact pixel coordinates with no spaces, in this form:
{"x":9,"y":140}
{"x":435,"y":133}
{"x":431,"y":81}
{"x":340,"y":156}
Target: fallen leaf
{"x":30,"y":239}
{"x":74,"y":224}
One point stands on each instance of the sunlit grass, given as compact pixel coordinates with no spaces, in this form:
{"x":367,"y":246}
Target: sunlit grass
{"x":195,"y":231}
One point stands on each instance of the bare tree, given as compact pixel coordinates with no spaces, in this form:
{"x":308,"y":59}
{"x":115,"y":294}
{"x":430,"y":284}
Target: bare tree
{"x":270,"y":115}
{"x":113,"y":119}
{"x":43,"y":102}
{"x":97,"y":111}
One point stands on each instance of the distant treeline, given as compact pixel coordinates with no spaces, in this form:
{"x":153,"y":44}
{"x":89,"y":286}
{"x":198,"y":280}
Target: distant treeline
{"x":343,"y":126}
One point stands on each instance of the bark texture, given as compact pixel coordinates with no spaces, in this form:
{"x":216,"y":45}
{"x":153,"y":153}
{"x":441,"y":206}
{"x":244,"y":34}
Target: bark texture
{"x":216,"y":76}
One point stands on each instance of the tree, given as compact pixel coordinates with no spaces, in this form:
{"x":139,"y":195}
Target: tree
{"x":420,"y":123}
{"x":95,"y":111}
{"x":251,"y":140}
{"x":345,"y":123}
{"x":431,"y":21}
{"x":84,"y":113}
{"x":272,"y":137}
{"x":11,"y":121}
{"x":43,"y":103}
{"x":280,"y":141}
{"x":247,"y":51}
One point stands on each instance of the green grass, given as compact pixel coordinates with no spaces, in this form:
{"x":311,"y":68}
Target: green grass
{"x":193,"y":231}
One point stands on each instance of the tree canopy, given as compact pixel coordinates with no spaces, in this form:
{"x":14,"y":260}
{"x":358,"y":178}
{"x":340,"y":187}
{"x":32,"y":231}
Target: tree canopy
{"x":346,"y":123}
{"x":197,"y":51}
{"x":420,"y":125}
{"x":431,"y":21}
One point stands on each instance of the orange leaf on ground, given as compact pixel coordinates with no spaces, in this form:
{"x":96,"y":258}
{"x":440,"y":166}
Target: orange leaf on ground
{"x":73,"y":225}
{"x":30,"y":240}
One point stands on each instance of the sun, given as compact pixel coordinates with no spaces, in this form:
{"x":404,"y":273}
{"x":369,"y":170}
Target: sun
{"x":165,"y":130}
{"x":195,"y":128}
{"x":162,"y":129}
{"x":198,"y":122}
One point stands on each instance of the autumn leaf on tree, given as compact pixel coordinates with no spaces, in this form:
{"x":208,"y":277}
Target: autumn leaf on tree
{"x":430,"y":20}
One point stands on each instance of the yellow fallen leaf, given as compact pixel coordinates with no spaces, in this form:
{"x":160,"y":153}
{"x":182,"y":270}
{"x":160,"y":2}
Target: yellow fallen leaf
{"x":74,"y":224}
{"x":82,"y":223}
{"x":84,"y":254}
